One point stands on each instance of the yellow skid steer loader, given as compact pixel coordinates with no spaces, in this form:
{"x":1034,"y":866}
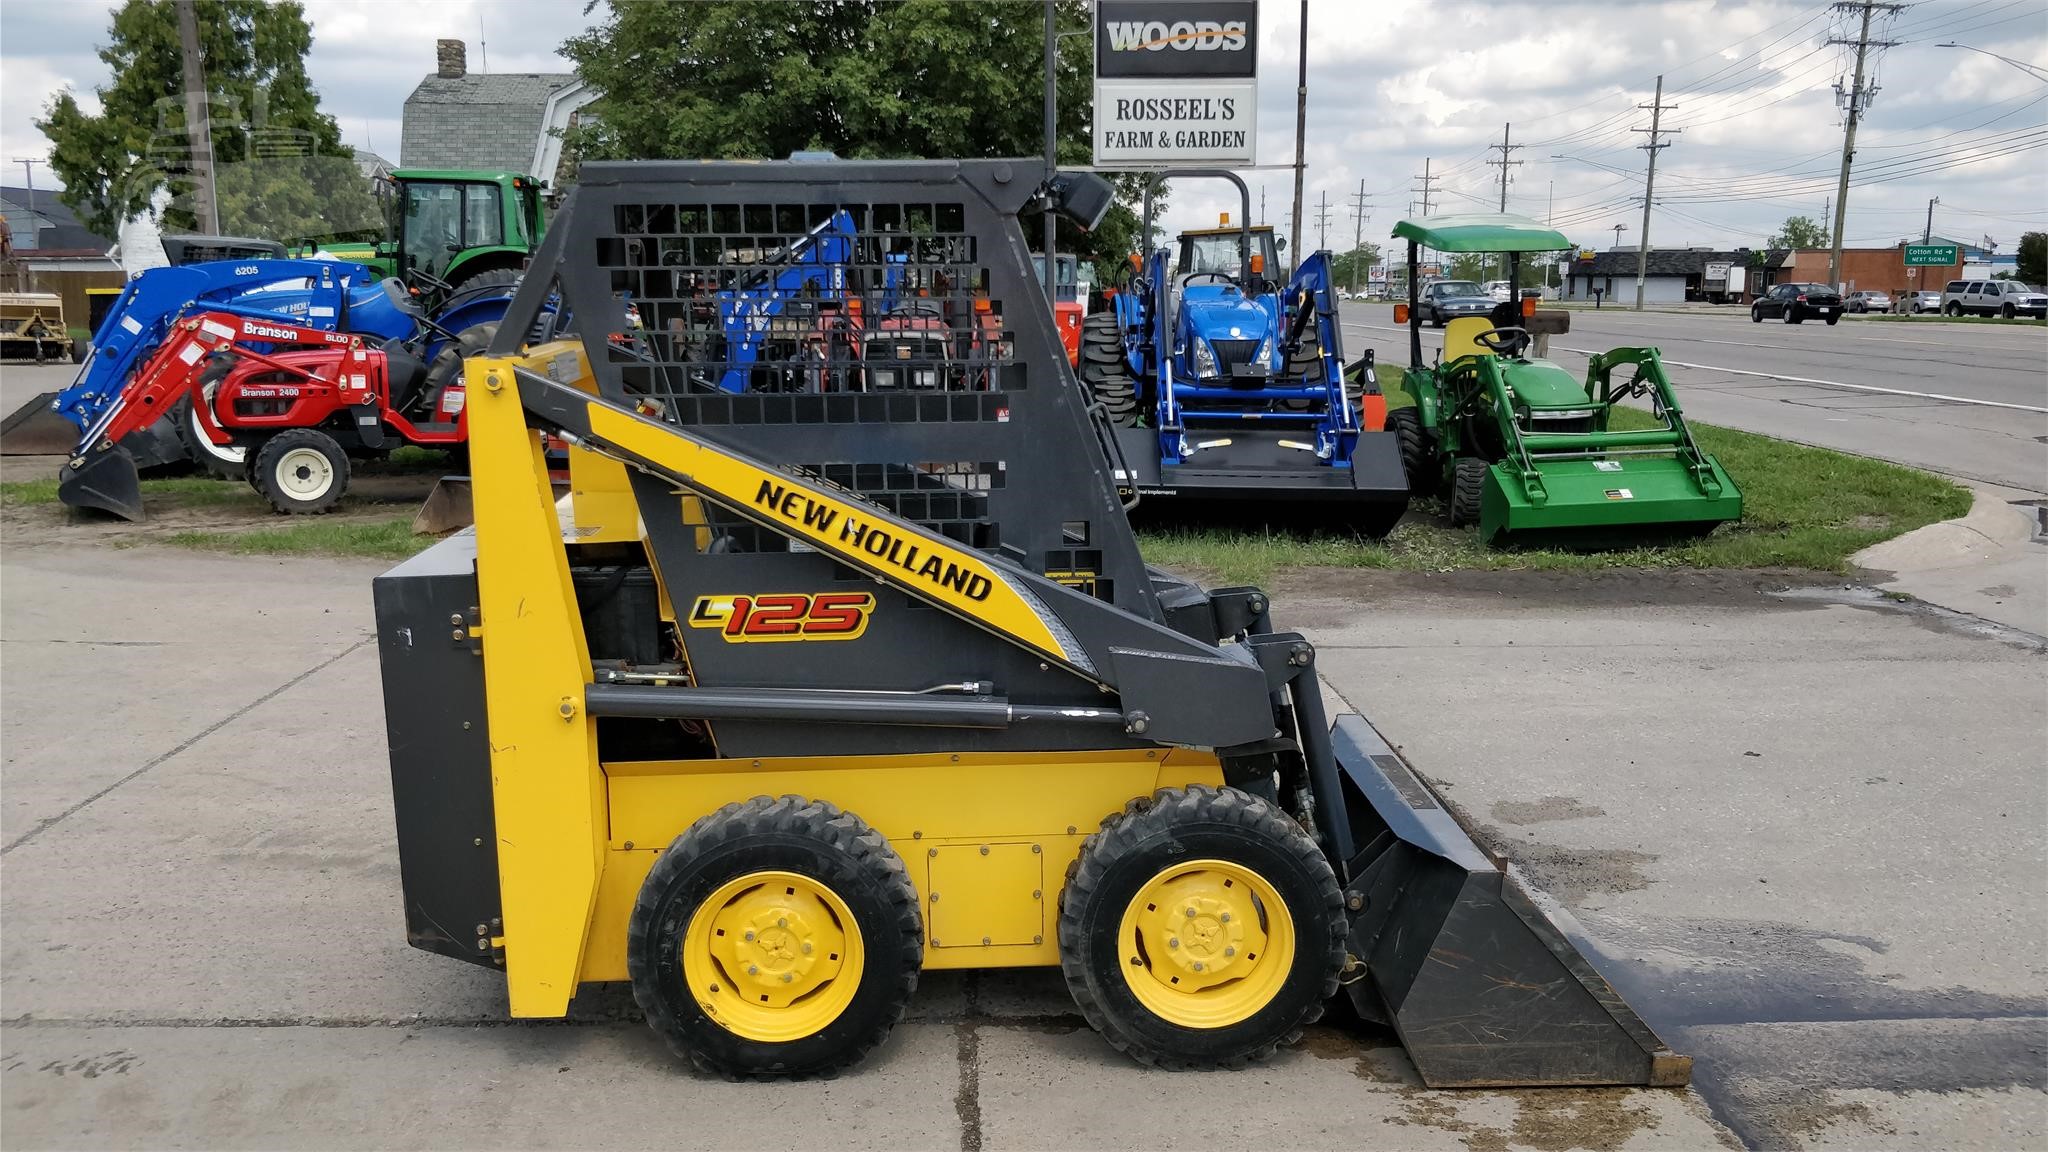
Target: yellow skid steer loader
{"x":839,"y":663}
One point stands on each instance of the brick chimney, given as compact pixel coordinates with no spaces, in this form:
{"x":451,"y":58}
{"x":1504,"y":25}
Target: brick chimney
{"x":450,"y":59}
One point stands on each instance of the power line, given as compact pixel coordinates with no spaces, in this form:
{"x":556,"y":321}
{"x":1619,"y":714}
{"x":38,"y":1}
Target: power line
{"x":1359,"y":215}
{"x":1323,"y":222}
{"x":1428,"y":188}
{"x":1504,"y":164}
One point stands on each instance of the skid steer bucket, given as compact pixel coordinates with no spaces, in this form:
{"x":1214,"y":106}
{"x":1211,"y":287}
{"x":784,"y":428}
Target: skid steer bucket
{"x":34,"y":429}
{"x":447,"y":508}
{"x":1483,"y":989}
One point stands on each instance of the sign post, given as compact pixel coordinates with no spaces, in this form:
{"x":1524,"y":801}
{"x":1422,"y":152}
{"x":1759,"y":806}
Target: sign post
{"x":1176,"y":83}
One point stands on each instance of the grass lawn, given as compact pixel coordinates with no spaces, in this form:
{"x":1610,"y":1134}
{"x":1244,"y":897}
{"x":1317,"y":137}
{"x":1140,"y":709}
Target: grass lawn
{"x":1802,"y":508}
{"x":390,"y":539}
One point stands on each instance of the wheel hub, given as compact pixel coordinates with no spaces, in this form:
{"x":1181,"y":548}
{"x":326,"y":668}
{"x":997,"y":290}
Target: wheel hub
{"x":304,"y":473}
{"x":1201,"y":930}
{"x":772,"y":956}
{"x":1206,"y":944}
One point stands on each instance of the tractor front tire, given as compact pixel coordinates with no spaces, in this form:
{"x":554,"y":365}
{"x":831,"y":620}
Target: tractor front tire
{"x":301,"y":471}
{"x":776,"y":937}
{"x":447,"y":365}
{"x":1418,"y":451}
{"x":1201,"y":928}
{"x":226,"y":463}
{"x":1105,"y":372}
{"x":1468,"y":482}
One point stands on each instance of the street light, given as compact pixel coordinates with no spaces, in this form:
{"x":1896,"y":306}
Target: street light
{"x":2030,"y":69}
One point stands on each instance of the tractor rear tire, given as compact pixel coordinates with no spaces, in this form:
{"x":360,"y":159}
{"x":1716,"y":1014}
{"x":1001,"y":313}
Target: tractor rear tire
{"x":447,"y":365}
{"x":1468,"y":482}
{"x":491,"y":278}
{"x":1149,"y":904}
{"x":844,"y":890}
{"x":1104,"y":371}
{"x":301,"y":471}
{"x":229,"y":463}
{"x":1418,"y":451}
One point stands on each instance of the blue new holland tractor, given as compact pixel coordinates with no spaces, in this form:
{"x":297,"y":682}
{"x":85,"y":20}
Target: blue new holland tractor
{"x":1226,"y":384}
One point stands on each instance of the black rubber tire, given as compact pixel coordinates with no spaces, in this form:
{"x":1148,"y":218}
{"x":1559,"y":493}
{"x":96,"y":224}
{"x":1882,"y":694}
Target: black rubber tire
{"x":1104,"y":371}
{"x":790,"y":834}
{"x":1468,"y":482}
{"x":447,"y":364}
{"x":1756,"y":314}
{"x":1154,"y":833}
{"x":491,"y":278}
{"x":1418,"y":451}
{"x":1791,"y":315}
{"x":202,"y":452}
{"x":1952,"y":309}
{"x":80,"y":349}
{"x":2007,"y":312}
{"x":273,"y":452}
{"x":1834,"y":320}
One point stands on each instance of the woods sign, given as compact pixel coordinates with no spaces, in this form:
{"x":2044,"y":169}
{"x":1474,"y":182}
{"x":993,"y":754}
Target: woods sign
{"x":1176,"y":83}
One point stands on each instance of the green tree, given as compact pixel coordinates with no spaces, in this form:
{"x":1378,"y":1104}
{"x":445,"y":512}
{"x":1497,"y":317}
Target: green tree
{"x":1360,"y":261}
{"x":280,"y":167}
{"x":2033,"y":258}
{"x":1799,"y":232}
{"x":759,"y":79}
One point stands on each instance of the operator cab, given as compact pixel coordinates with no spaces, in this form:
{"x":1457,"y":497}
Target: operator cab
{"x":1213,"y":252}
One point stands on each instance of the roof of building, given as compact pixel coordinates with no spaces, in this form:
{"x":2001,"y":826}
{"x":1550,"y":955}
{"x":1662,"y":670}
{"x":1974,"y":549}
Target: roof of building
{"x":1672,"y":261}
{"x":521,"y":89}
{"x":64,"y":232}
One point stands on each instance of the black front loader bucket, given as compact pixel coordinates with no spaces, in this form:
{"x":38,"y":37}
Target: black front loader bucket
{"x":34,"y":430}
{"x":1483,"y":989}
{"x":104,"y":479}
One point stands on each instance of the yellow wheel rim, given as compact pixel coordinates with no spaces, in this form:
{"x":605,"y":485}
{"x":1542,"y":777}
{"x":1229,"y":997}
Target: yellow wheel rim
{"x":1206,"y":944}
{"x":773,"y":956}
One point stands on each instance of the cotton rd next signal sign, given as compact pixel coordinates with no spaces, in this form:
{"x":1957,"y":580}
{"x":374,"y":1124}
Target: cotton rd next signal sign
{"x":1930,"y":255}
{"x":1176,"y":83}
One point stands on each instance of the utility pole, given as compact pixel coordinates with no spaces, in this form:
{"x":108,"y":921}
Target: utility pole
{"x":1358,"y":217}
{"x":1300,"y":132}
{"x":1052,"y":159}
{"x":1825,"y":203}
{"x":198,"y":125}
{"x":1428,"y":182}
{"x":1323,"y":222}
{"x":1504,"y":148}
{"x":1926,"y":237}
{"x":1618,"y":230}
{"x":1859,"y":98}
{"x":1262,"y":204}
{"x":1657,"y":108}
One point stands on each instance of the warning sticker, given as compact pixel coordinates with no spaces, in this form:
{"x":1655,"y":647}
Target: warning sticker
{"x":1607,"y":465}
{"x":1620,"y":494}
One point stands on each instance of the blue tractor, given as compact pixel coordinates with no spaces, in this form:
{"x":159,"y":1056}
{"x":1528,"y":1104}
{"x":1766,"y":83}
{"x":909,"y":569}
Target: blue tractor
{"x":1226,"y":384}
{"x":317,"y":293}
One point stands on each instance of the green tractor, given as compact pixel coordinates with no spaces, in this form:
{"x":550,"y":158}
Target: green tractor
{"x":1521,"y":447}
{"x":452,"y":229}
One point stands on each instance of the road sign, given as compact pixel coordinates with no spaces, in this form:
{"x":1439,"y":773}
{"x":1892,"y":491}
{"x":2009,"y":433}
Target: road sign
{"x":1176,"y":84}
{"x":1930,"y":255}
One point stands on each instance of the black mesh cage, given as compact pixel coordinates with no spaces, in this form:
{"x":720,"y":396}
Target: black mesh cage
{"x":877,"y":325}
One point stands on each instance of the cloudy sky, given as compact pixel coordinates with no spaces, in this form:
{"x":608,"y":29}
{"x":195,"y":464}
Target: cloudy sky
{"x":1394,"y":84}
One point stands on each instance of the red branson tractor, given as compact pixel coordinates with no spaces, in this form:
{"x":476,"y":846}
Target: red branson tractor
{"x":301,"y":401}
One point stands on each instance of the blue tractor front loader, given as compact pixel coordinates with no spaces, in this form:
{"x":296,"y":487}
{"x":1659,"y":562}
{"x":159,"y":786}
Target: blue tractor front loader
{"x":1227,"y":385}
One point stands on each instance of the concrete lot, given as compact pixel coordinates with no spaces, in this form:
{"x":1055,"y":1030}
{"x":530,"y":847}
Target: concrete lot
{"x":1808,"y":837}
{"x":1968,"y":400}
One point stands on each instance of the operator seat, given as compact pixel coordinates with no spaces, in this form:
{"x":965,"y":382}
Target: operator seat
{"x":1460,"y":337}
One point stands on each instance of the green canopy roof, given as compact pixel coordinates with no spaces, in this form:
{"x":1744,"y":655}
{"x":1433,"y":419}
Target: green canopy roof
{"x":1481,"y":232}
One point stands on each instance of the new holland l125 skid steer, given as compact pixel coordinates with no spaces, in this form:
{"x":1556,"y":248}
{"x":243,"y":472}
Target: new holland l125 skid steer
{"x":799,"y":694}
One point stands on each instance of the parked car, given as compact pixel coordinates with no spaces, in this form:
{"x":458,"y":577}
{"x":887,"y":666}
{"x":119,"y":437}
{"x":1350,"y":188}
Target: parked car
{"x":1793,"y":303}
{"x":1868,"y":302}
{"x":2007,"y":298}
{"x":1446,"y":300}
{"x":1914,"y":303}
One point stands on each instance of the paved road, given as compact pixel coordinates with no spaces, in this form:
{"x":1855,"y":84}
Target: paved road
{"x":1804,"y":854}
{"x":1968,"y":400}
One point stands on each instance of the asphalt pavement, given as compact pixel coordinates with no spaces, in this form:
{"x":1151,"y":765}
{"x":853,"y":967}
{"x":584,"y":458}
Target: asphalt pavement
{"x":1803,"y":834}
{"x":1965,"y":400}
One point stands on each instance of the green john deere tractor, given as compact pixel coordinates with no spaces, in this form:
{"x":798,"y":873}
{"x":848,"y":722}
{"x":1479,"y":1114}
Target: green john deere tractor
{"x":1521,"y":447}
{"x":452,"y":228}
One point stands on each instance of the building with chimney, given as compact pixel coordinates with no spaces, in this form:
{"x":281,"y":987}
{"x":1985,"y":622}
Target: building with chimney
{"x":493,"y":121}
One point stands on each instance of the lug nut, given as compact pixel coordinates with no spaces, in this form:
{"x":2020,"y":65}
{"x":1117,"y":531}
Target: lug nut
{"x":753,"y":969}
{"x":1225,"y":918}
{"x":1229,"y":952}
{"x":1191,"y":913}
{"x":1198,"y":965}
{"x":1173,"y":943}
{"x":782,"y":922}
{"x":807,"y":947}
{"x":788,"y":976}
{"x":749,"y":936}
